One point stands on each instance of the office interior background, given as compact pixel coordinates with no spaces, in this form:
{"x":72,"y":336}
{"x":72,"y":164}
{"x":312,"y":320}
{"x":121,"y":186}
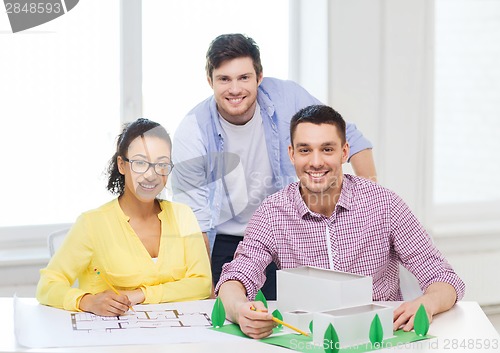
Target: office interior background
{"x":420,"y":78}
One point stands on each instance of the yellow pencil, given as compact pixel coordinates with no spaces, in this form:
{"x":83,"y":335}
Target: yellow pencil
{"x":110,"y":285}
{"x":281,"y":322}
{"x":290,"y":326}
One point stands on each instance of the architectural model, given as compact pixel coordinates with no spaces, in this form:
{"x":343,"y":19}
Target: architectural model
{"x":326,"y":297}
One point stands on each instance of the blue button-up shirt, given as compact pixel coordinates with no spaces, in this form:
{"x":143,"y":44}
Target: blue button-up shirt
{"x":201,"y":162}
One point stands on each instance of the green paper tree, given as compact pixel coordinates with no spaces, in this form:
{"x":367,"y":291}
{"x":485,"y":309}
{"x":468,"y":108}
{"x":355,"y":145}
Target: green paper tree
{"x":332,"y":340}
{"x":277,"y":314}
{"x":261,"y":298}
{"x":421,"y":322}
{"x":218,"y":314}
{"x":376,"y":332}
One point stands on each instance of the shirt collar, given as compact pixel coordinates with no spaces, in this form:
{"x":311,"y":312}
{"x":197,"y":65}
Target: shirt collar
{"x":297,"y":200}
{"x":214,"y":114}
{"x":345,"y":199}
{"x":264,"y":101}
{"x":162,"y":215}
{"x":119,"y":210}
{"x":346,"y":194}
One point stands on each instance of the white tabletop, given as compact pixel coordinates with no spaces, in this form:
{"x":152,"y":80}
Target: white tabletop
{"x":464,"y":328}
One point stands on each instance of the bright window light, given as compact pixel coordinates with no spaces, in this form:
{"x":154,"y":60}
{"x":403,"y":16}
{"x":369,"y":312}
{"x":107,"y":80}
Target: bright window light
{"x":60,"y":113}
{"x":176,"y":35}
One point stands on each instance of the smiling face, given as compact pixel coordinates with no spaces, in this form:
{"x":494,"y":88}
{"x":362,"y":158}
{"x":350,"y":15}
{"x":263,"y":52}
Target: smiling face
{"x":317,"y":155}
{"x":146,"y":186}
{"x":235,"y":86}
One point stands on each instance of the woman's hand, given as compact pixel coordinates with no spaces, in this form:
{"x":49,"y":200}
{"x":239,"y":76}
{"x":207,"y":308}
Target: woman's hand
{"x":135,"y":296}
{"x":105,"y":303}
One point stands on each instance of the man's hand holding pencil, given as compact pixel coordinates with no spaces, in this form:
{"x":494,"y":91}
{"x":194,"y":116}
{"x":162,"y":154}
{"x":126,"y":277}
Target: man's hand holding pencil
{"x":254,"y":319}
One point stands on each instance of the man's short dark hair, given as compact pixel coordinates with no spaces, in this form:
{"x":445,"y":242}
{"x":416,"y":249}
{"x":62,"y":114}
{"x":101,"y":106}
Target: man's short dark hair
{"x":231,"y":46}
{"x":318,"y":114}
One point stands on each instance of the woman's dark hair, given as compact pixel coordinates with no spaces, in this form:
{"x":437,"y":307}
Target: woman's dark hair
{"x":232,"y":46}
{"x":116,"y":180}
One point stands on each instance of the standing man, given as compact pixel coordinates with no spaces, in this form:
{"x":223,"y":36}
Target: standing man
{"x":337,"y":221}
{"x":230,"y":151}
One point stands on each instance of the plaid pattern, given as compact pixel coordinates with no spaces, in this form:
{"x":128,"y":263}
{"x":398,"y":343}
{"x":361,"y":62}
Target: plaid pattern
{"x":370,"y":232}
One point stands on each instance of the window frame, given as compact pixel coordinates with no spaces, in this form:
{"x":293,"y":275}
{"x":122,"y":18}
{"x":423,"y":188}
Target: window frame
{"x":35,"y":236}
{"x":131,"y":106}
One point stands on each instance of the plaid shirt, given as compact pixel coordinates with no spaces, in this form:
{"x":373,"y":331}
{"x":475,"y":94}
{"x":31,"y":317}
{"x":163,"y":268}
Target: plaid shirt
{"x":370,"y":232}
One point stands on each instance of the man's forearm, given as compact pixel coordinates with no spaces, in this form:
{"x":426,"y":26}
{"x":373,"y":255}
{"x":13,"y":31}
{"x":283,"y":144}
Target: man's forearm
{"x":233,"y":295}
{"x":438,"y":297}
{"x":442,"y":296}
{"x":363,"y":165}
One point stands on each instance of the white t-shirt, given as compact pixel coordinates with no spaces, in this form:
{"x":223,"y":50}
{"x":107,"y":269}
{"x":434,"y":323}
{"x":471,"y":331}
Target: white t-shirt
{"x":248,"y":178}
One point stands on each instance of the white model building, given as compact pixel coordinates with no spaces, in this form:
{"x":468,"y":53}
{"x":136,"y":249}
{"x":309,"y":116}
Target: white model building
{"x":327,"y":296}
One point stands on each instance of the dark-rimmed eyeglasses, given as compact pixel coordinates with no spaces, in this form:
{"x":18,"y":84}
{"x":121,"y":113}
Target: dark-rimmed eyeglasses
{"x":139,"y":166}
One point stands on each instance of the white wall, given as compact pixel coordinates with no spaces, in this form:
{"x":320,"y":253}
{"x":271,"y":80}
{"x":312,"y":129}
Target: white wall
{"x":378,"y":66}
{"x":381,"y":78}
{"x":23,"y":252}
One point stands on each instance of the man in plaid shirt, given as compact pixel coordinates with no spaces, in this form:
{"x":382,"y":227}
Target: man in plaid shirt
{"x":336,"y":221}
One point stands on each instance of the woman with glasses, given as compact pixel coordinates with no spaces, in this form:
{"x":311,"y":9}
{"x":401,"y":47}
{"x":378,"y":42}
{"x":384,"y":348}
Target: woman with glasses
{"x":136,"y":248}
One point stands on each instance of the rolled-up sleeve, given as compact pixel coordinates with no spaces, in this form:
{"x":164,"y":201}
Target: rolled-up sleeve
{"x":417,"y":251}
{"x":357,"y":142}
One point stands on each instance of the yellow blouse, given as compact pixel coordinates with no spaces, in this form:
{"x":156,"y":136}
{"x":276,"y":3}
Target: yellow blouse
{"x":103,"y":239}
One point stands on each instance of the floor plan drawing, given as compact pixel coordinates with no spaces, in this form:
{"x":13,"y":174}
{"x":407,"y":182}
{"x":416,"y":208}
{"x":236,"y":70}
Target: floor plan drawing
{"x":88,"y":322}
